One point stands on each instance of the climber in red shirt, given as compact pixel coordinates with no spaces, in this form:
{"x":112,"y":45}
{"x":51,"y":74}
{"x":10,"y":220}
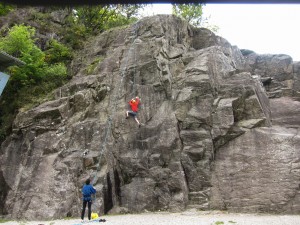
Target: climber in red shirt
{"x":134,"y":103}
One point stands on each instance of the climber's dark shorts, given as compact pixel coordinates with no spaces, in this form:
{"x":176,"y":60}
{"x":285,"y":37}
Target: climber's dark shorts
{"x":132,"y":113}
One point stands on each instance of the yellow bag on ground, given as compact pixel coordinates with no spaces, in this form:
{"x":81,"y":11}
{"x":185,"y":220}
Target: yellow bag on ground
{"x":94,"y":216}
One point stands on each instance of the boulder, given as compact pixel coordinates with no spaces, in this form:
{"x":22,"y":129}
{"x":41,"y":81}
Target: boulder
{"x":206,"y":139}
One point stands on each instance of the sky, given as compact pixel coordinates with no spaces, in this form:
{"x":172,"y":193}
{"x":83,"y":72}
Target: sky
{"x":262,"y":28}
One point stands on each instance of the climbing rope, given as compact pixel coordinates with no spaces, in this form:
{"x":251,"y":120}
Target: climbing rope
{"x":115,"y":96}
{"x":134,"y":75}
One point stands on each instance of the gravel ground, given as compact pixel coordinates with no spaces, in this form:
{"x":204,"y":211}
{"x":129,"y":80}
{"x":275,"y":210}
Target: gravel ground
{"x":184,"y":218}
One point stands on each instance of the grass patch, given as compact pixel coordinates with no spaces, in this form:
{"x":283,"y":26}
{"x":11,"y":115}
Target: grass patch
{"x":91,"y":68}
{"x":219,"y":222}
{"x":3,"y":220}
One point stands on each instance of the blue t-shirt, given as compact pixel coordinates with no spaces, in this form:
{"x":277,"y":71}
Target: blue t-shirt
{"x":87,"y":191}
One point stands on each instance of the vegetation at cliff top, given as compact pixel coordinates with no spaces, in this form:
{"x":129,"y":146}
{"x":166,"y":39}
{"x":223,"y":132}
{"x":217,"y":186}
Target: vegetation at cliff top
{"x":47,"y":63}
{"x":5,"y":9}
{"x":31,"y":83}
{"x":193,"y":14}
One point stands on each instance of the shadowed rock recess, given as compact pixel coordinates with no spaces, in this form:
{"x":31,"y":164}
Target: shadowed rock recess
{"x":220,"y":129}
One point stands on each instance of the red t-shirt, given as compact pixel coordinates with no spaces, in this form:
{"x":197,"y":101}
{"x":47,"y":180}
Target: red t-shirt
{"x":134,"y":105}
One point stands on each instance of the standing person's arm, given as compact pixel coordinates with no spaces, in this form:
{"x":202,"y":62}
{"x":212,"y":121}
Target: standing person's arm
{"x":94,"y":190}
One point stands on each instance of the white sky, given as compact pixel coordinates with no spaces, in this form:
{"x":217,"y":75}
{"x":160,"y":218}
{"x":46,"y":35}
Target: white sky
{"x":272,"y":28}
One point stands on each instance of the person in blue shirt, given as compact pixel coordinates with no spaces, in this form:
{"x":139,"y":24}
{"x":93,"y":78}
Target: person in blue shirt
{"x":87,"y":191}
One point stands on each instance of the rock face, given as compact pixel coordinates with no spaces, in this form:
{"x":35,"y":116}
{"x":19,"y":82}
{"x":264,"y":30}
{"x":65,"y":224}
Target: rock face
{"x":220,"y":129}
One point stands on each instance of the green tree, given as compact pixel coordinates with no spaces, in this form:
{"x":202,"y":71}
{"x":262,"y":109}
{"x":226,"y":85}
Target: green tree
{"x":94,"y":17}
{"x":103,"y":17}
{"x":192,"y":13}
{"x":123,"y":15}
{"x":20,"y":43}
{"x":5,"y":9}
{"x":74,"y":33}
{"x":57,"y":52}
{"x":84,"y":21}
{"x":19,"y":40}
{"x":31,"y":83}
{"x":129,"y":10}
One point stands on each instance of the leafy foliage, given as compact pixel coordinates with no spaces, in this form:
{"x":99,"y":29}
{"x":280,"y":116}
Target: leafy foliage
{"x":74,"y":33}
{"x":46,"y":70}
{"x":18,"y":40}
{"x":92,"y":66}
{"x":86,"y":21}
{"x":94,"y":17}
{"x":219,"y":222}
{"x":103,"y":17}
{"x":20,"y":43}
{"x":5,"y":9}
{"x":118,"y":20}
{"x":32,"y":82}
{"x":57,"y":52}
{"x":192,"y":13}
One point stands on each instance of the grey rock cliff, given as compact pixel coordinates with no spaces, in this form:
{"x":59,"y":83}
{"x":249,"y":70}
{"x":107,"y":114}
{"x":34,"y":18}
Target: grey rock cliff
{"x":213,"y":135}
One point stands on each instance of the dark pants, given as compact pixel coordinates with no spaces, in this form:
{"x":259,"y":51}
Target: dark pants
{"x":89,"y":209}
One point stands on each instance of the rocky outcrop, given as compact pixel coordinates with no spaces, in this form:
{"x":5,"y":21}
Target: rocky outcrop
{"x":278,"y":73}
{"x":49,"y":23}
{"x":209,"y":138}
{"x":258,"y":172}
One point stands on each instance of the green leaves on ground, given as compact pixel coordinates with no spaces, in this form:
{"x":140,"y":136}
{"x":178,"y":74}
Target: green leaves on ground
{"x":219,"y":223}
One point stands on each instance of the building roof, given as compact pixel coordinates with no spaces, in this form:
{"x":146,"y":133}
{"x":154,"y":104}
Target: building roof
{"x":8,"y":60}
